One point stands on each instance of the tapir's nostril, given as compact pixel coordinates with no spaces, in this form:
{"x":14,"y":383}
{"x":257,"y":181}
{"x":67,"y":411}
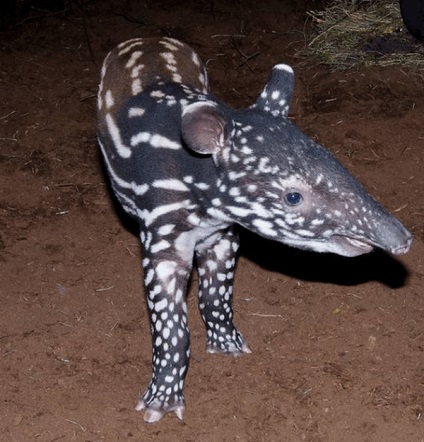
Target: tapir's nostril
{"x":401,"y":250}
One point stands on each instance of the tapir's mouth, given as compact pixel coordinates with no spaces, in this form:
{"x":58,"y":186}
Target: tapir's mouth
{"x":359,"y":244}
{"x":352,"y":246}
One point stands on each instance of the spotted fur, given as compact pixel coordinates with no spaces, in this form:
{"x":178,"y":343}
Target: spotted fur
{"x":188,"y":169}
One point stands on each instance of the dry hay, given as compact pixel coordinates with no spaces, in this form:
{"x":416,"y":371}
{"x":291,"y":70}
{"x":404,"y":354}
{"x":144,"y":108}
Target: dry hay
{"x":370,"y":32}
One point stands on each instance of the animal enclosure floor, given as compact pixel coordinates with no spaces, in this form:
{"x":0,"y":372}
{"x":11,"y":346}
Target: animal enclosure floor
{"x":338,"y":344}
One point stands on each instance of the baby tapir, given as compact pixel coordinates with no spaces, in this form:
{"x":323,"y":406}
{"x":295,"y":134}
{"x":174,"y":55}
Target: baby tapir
{"x":188,"y":169}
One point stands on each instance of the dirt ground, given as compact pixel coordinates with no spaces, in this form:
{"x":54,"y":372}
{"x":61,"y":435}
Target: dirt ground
{"x":338,"y":351}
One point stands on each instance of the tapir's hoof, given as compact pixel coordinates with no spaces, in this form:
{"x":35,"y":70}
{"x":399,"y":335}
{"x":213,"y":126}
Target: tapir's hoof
{"x":233,"y":351}
{"x":154,"y":414}
{"x":236,"y":346}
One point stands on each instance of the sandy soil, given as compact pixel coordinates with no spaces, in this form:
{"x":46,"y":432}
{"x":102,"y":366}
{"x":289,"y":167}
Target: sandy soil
{"x":338,"y":352}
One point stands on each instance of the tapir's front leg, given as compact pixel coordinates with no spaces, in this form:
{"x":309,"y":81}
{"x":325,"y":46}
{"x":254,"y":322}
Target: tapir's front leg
{"x":216,"y":260}
{"x":165,"y":276}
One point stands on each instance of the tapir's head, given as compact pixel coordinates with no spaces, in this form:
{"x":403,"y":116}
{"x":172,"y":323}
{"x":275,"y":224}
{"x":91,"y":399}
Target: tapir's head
{"x":276,"y":181}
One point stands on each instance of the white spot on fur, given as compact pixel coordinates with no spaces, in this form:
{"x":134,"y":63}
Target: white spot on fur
{"x":166,"y":229}
{"x":264,"y":227}
{"x":136,"y":112}
{"x":109,"y":99}
{"x":161,"y":305}
{"x":136,"y":87}
{"x":171,"y":184}
{"x":114,"y":132}
{"x":135,"y":72}
{"x":150,"y":216}
{"x":133,"y":59}
{"x":319,"y":179}
{"x":149,"y":277}
{"x":202,"y":186}
{"x":239,"y":211}
{"x":169,"y":58}
{"x":165,"y":269}
{"x":168,"y":45}
{"x":154,"y":140}
{"x":128,"y":45}
{"x":161,"y":245}
{"x":177,"y":78}
{"x":157,"y":94}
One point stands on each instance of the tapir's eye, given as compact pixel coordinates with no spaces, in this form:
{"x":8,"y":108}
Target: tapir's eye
{"x":293,"y":198}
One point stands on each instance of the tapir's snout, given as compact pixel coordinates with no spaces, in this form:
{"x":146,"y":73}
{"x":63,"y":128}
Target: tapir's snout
{"x":385,"y":232}
{"x":393,"y":236}
{"x":390,"y":236}
{"x":401,"y":250}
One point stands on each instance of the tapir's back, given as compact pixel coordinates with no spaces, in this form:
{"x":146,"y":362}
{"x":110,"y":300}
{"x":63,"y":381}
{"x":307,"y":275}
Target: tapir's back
{"x":139,"y":63}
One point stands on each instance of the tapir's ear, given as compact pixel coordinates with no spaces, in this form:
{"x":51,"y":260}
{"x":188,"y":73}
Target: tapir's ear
{"x":203,"y":128}
{"x":277,"y":94}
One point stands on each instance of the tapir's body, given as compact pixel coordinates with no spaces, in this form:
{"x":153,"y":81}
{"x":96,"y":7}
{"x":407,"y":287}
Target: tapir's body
{"x":188,"y":169}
